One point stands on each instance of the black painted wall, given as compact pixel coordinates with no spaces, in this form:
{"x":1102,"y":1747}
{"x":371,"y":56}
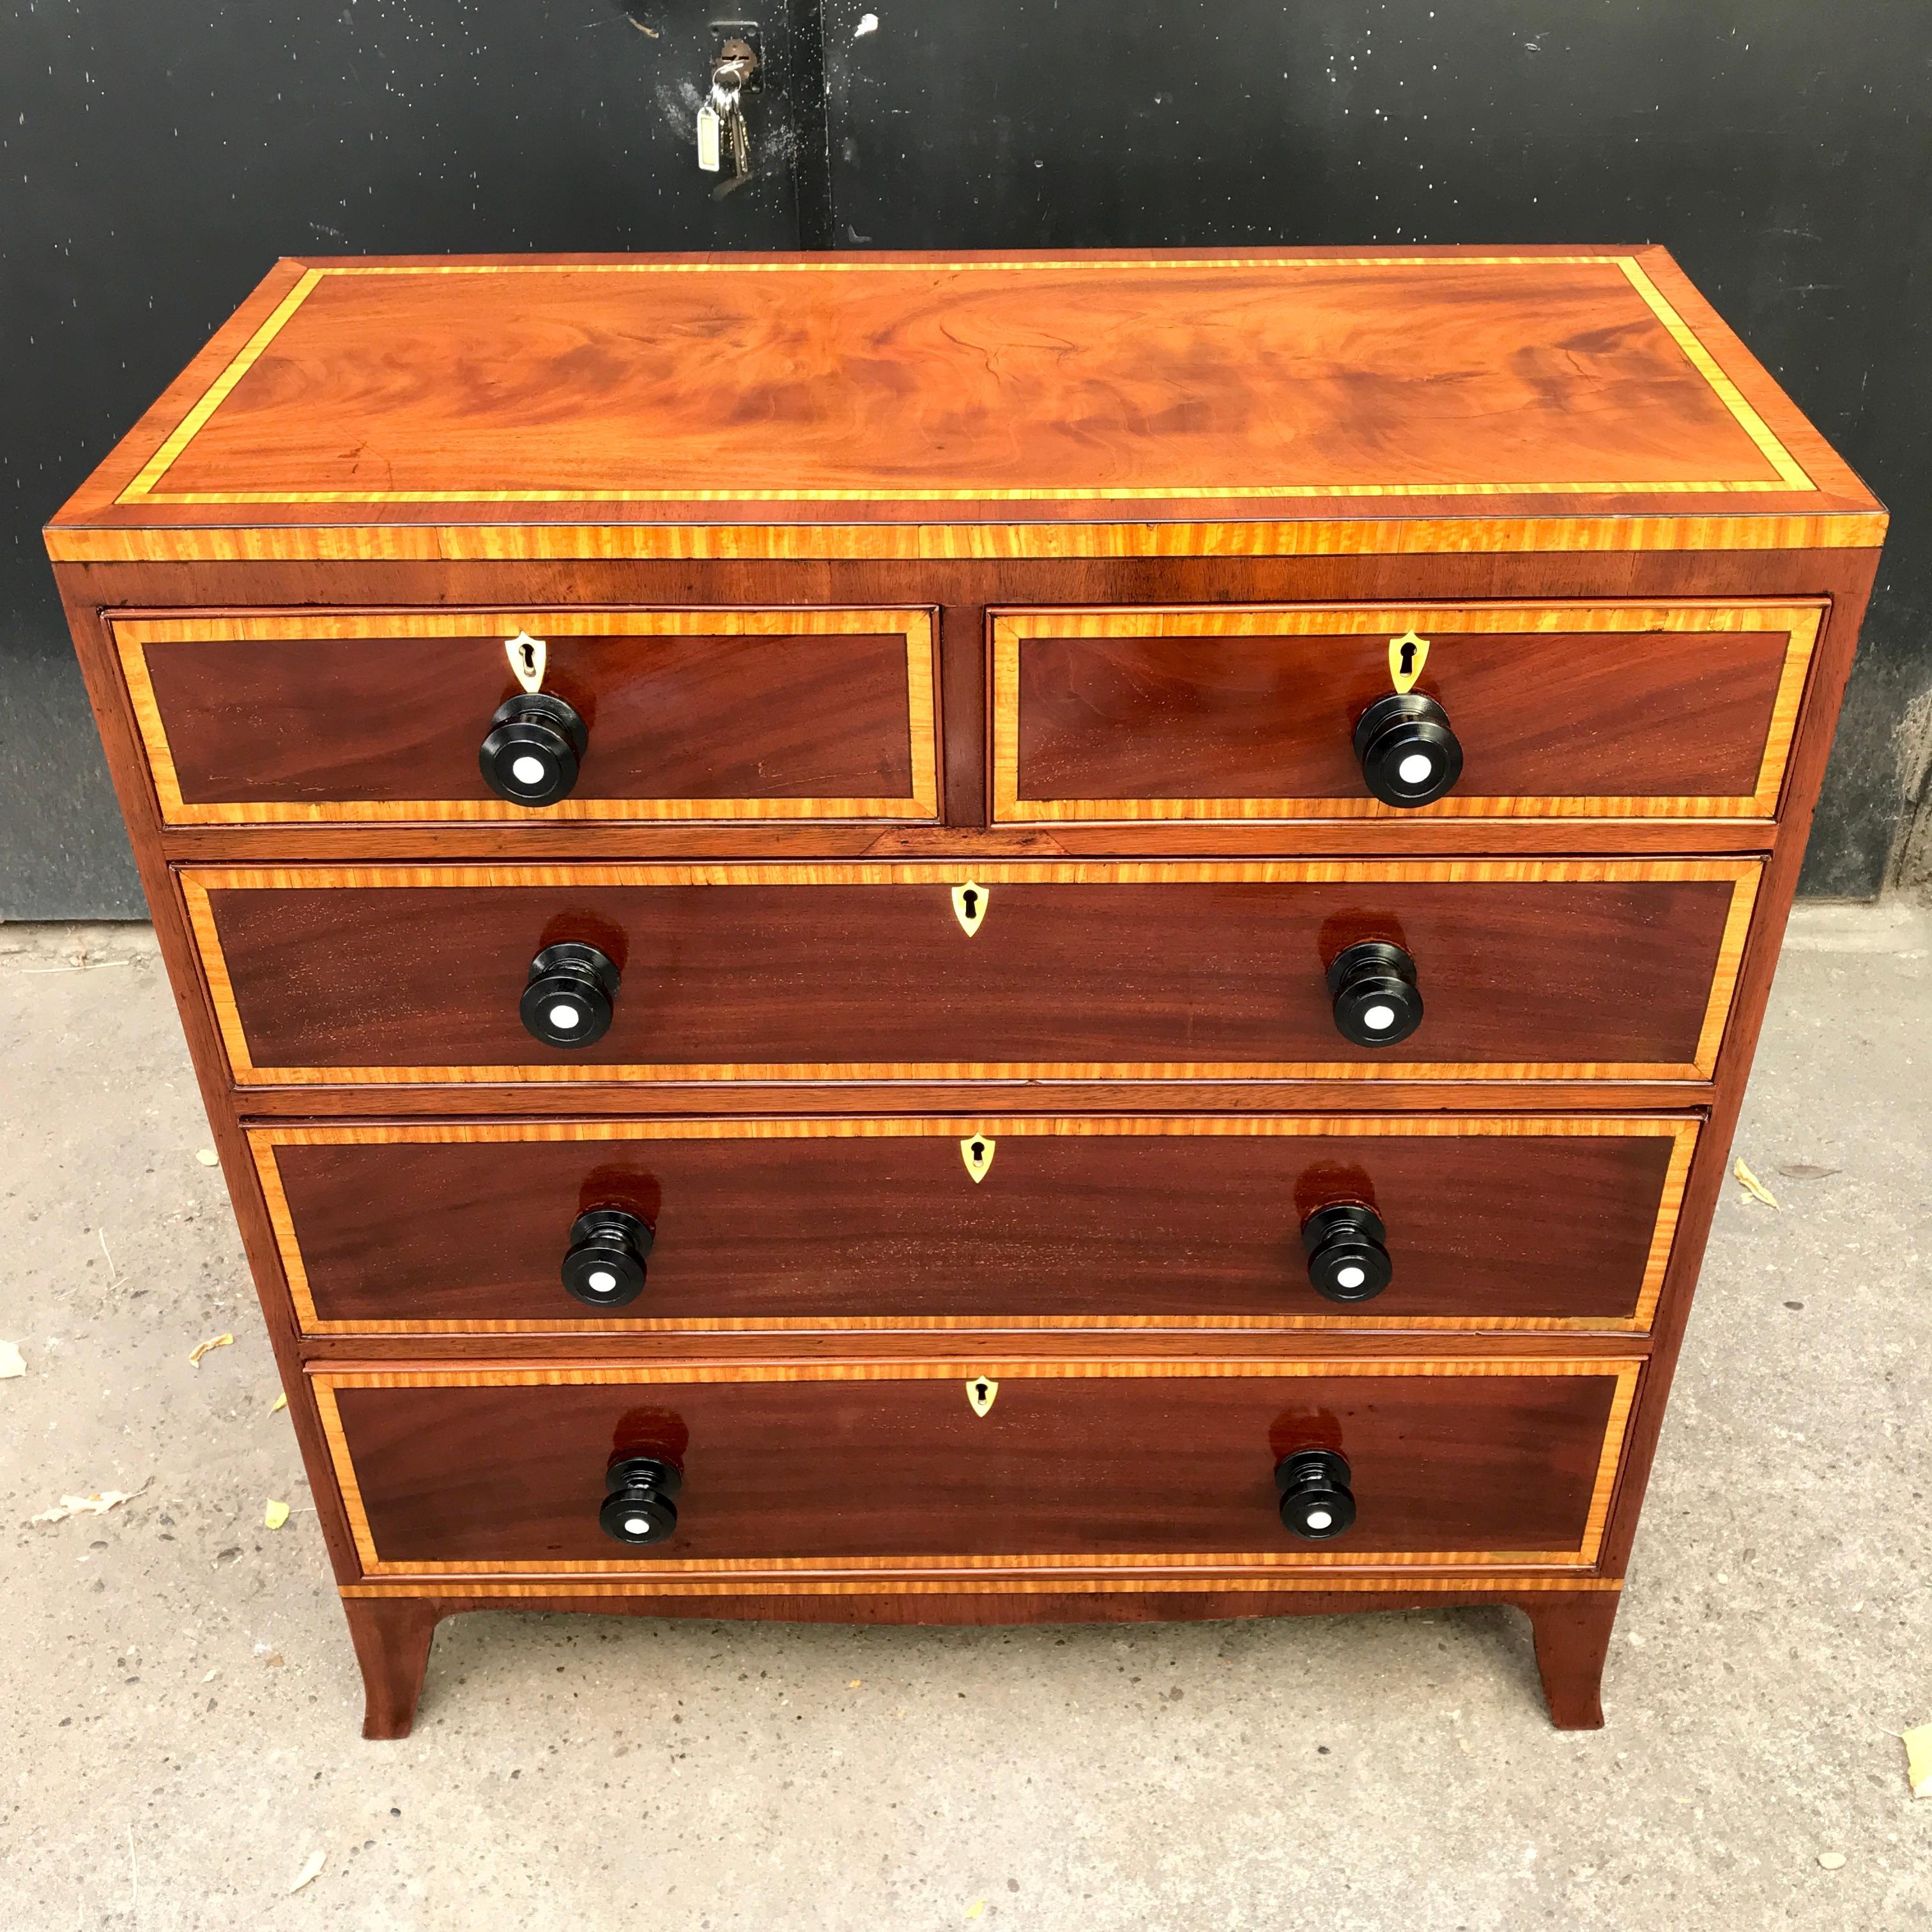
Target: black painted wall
{"x":153,"y":160}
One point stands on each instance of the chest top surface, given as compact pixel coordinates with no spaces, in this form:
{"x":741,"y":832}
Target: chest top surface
{"x":893,"y":404}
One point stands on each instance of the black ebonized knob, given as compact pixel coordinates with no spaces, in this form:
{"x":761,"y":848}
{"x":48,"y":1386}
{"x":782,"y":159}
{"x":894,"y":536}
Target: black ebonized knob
{"x":1316,"y":1502}
{"x":638,"y":1507}
{"x":1346,"y":1259}
{"x":567,"y":1002}
{"x":534,"y":747}
{"x":1409,"y":755}
{"x":1376,"y":1000}
{"x":604,"y":1267}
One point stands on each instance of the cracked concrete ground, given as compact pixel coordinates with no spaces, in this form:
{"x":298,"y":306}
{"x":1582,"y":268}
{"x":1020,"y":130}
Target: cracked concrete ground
{"x":181,"y":1707}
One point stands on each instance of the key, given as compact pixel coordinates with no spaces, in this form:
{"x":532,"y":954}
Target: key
{"x":721,"y":127}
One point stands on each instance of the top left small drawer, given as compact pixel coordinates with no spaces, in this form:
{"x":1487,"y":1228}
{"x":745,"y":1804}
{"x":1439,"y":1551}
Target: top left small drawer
{"x":349,"y":718}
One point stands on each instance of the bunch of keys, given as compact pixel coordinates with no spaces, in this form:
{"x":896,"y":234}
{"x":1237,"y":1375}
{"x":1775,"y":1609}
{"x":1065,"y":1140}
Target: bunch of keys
{"x":721,"y":121}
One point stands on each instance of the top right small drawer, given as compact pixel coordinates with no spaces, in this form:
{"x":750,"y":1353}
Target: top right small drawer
{"x":1311,"y":712}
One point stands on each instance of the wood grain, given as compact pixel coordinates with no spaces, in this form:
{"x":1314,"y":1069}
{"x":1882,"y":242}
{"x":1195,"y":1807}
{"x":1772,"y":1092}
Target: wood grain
{"x":1073,"y":1607}
{"x":457,"y":1229}
{"x":1238,"y":348}
{"x":373,"y":718}
{"x":1577,"y":969}
{"x":1537,"y":400}
{"x":921,"y":543}
{"x":1563,"y":710}
{"x":1456,"y":1463}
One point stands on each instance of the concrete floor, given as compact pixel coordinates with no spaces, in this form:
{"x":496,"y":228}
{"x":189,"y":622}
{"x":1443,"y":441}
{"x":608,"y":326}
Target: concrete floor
{"x":183,"y":1707}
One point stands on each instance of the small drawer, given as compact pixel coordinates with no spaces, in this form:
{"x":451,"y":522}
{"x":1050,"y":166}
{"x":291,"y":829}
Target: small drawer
{"x":1311,"y":712}
{"x":896,"y":1471}
{"x":1579,"y":969}
{"x":413,"y":1228}
{"x":381,"y":717}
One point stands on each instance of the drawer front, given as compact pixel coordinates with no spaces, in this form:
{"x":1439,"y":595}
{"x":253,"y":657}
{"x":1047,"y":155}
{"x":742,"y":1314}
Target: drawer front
{"x":464,"y":1228}
{"x":1559,"y":710}
{"x":1078,"y":1467}
{"x":687,"y":715}
{"x":1580,"y":970}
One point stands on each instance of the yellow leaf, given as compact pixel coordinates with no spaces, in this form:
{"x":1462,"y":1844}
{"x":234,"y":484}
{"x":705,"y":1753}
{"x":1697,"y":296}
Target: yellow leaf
{"x":280,"y":1403}
{"x":201,"y":1349}
{"x":974,"y":1910}
{"x":208,"y":1156}
{"x":275,"y":1515}
{"x":1753,"y":1187}
{"x":852,"y":1683}
{"x":311,"y":1868}
{"x":1918,"y":1760}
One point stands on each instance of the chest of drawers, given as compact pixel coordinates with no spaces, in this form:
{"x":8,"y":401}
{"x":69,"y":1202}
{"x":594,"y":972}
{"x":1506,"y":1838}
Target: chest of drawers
{"x":974,"y":939}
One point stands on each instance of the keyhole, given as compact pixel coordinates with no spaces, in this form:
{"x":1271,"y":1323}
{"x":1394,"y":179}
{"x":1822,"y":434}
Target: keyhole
{"x":979,"y":1150}
{"x":530,"y":659}
{"x":1408,"y":659}
{"x":979,"y":1391}
{"x":972,"y":902}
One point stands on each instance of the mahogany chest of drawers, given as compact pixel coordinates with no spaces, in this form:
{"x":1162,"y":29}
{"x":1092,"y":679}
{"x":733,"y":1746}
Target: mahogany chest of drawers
{"x":969,"y":940}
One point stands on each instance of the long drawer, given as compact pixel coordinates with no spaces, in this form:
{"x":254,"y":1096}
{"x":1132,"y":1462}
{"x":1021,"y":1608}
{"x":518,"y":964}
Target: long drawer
{"x":1582,"y":969}
{"x":610,"y":1225}
{"x":1073,"y":1468}
{"x":1537,"y":710}
{"x":350,"y":718}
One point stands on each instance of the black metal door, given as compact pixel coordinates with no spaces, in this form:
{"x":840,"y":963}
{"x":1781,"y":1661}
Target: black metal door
{"x":1779,"y":148}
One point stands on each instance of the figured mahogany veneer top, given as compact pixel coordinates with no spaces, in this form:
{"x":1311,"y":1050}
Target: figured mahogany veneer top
{"x":926,"y":404}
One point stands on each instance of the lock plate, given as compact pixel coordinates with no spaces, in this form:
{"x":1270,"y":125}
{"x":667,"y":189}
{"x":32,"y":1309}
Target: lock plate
{"x":1407,"y":656}
{"x":969,"y":906}
{"x":980,"y":1392}
{"x":976,"y":1151}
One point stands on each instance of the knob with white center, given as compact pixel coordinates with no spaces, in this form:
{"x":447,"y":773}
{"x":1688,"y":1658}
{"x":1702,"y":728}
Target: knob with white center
{"x":1409,"y":756}
{"x":604,"y":1267}
{"x":1376,"y":1000}
{"x":638,"y":1507}
{"x":568,"y":1000}
{"x":1316,"y":1502}
{"x":1346,"y":1259}
{"x":535,"y":746}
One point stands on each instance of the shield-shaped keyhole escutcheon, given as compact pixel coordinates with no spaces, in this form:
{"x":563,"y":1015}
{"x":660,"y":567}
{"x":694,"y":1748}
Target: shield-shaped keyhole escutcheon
{"x":528,"y":656}
{"x":976,"y":1151}
{"x":969,"y":906}
{"x":1407,"y":656}
{"x":980,"y":1391}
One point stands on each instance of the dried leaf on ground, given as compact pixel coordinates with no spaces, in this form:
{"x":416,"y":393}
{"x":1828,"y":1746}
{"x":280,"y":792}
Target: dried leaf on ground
{"x":208,"y":1156}
{"x":10,"y":1363}
{"x":96,"y":1504}
{"x":275,"y":1515}
{"x":311,"y":1868}
{"x":1754,"y":1187}
{"x":280,"y":1403}
{"x":201,"y":1349}
{"x":974,"y":1910}
{"x":1918,"y":1760}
